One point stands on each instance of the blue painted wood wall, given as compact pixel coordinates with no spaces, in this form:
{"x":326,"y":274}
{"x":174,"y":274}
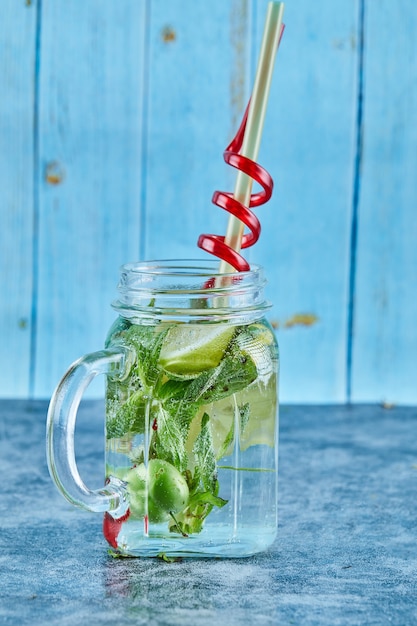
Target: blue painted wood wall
{"x":113,"y":118}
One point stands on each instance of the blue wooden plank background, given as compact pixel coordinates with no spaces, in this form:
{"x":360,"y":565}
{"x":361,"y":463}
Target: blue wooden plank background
{"x":384,"y":355}
{"x":17,"y":123}
{"x":113,"y":119}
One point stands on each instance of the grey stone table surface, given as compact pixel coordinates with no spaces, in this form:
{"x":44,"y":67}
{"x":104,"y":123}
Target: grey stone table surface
{"x":346,"y":551}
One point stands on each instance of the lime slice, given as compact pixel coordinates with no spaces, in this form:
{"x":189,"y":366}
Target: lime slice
{"x":221,"y":415}
{"x":252,"y":412}
{"x":189,"y":349}
{"x":226,"y":417}
{"x":223,"y":426}
{"x":261,"y":425}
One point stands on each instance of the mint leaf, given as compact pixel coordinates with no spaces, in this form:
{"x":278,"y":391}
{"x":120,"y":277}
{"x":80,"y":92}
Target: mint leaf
{"x":206,"y":497}
{"x":204,"y":455}
{"x":130,"y":416}
{"x":234,"y":373}
{"x":173,"y":390}
{"x":168,"y":442}
{"x":147,"y":344}
{"x":228,"y":441}
{"x":138,"y":388}
{"x":168,"y":559}
{"x":191,"y":520}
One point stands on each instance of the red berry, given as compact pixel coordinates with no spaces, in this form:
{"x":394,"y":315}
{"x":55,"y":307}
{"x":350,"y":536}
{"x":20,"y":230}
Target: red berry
{"x":112,"y":526}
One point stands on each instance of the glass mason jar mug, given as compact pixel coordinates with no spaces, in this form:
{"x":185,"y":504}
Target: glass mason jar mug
{"x":191,"y":431}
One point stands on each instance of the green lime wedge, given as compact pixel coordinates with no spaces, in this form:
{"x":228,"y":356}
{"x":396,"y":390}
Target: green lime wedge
{"x":189,"y":349}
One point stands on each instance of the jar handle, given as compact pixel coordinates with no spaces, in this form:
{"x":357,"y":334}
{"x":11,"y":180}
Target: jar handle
{"x":61,"y":420}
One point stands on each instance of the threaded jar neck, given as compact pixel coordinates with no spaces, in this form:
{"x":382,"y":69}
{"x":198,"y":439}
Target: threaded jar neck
{"x":193,"y":289}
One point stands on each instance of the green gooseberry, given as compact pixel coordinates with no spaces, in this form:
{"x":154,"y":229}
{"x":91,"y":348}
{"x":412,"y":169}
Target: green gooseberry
{"x":167,"y":486}
{"x":136,"y":487}
{"x":167,"y":490}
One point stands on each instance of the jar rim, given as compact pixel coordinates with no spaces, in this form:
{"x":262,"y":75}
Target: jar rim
{"x":185,"y":267}
{"x":189,"y":287}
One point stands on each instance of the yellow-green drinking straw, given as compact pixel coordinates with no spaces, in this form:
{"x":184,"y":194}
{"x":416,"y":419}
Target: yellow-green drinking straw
{"x":255,"y":122}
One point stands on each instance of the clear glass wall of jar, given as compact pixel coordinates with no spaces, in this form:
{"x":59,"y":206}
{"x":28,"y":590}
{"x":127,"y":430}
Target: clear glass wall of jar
{"x":191,"y":414}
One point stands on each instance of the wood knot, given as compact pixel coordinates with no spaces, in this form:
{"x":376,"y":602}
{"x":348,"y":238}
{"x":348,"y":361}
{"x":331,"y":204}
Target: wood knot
{"x":54,"y":173}
{"x":168,"y":34}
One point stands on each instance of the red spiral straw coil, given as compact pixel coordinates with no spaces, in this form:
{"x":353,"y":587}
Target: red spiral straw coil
{"x":215,"y":244}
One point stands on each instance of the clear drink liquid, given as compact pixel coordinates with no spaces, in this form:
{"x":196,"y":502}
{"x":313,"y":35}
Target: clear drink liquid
{"x":192,"y":431}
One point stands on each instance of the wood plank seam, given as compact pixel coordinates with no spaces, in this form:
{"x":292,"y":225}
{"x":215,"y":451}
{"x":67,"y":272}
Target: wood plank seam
{"x":355,"y":198}
{"x":36,"y":208}
{"x":144,"y":123}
